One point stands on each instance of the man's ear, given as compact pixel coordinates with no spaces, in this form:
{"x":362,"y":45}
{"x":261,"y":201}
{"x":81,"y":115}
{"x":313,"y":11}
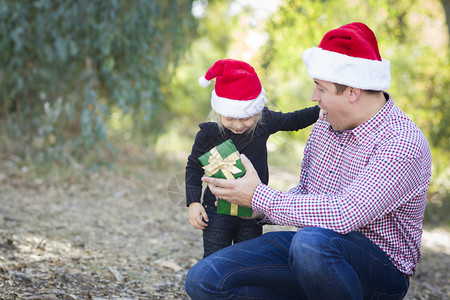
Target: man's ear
{"x":354,"y":94}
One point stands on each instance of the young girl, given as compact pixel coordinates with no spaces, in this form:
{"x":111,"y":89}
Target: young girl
{"x":238,"y":107}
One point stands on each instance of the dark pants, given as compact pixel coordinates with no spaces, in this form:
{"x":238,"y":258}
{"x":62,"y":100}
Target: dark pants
{"x":223,"y":231}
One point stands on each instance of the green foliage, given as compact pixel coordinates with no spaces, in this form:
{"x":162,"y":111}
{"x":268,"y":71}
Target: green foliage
{"x":77,"y":74}
{"x":65,"y":65}
{"x":188,"y":102}
{"x":419,"y":64}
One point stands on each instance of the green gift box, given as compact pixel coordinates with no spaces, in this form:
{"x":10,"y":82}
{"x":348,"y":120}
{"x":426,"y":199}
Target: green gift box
{"x":223,"y":161}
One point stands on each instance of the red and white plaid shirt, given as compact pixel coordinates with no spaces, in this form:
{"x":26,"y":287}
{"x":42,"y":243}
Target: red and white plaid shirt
{"x":372,"y":179}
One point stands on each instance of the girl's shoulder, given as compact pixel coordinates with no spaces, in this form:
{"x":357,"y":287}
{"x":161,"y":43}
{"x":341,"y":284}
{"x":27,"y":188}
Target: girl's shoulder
{"x":268,"y":114}
{"x":208,"y":129}
{"x":209,"y":126}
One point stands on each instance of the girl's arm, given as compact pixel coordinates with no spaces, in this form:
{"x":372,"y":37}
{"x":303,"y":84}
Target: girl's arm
{"x":194,"y":170}
{"x":292,"y":121}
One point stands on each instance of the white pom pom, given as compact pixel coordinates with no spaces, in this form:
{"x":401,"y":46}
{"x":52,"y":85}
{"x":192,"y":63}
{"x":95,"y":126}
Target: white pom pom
{"x":203,"y":82}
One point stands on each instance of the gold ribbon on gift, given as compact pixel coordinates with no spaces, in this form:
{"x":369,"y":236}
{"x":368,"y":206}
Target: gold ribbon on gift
{"x":234,"y":209}
{"x":226,"y":165}
{"x":228,"y":168}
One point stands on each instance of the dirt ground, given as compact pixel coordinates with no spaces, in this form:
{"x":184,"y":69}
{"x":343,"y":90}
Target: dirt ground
{"x":124,"y":234}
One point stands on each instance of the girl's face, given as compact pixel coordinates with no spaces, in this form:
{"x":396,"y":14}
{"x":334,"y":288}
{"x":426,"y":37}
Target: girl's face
{"x":239,"y":126}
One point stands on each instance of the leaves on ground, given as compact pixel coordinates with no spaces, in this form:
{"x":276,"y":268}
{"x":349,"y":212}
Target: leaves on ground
{"x":118,"y":235}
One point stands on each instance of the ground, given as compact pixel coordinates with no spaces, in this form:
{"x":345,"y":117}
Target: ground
{"x":123,"y":233}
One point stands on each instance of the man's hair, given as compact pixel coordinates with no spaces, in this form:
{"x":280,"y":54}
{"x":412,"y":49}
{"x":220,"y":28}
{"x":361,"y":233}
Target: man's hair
{"x":340,"y":88}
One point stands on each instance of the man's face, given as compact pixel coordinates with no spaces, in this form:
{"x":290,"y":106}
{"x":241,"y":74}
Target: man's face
{"x":336,"y":106}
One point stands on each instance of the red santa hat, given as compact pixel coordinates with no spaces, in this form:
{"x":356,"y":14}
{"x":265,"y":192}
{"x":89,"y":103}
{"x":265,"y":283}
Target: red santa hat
{"x":238,"y":92}
{"x":349,"y":55}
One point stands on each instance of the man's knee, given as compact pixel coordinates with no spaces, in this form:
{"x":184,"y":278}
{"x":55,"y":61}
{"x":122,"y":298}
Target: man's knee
{"x":309,"y":238}
{"x":196,"y":282}
{"x":309,"y":249}
{"x":191,"y":280}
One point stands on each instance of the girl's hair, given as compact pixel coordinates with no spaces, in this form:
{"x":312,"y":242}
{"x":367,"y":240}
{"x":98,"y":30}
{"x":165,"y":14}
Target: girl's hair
{"x":215,"y":117}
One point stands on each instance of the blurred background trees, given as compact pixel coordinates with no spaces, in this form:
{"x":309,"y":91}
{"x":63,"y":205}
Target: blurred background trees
{"x":67,"y":67}
{"x":87,"y":76}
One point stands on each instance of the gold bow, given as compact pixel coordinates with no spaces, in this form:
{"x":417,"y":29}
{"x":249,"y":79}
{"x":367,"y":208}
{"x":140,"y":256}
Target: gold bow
{"x":226,"y":165}
{"x":228,"y":168}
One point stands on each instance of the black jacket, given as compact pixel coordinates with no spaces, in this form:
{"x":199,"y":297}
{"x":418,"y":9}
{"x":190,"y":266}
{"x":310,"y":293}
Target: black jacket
{"x":253,"y":145}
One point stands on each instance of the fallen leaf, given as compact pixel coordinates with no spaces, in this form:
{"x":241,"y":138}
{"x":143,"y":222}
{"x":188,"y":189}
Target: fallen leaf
{"x":171,"y":265}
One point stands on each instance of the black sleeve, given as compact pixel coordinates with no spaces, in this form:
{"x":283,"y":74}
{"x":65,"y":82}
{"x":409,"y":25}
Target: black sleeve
{"x":194,"y":170}
{"x":278,"y":121}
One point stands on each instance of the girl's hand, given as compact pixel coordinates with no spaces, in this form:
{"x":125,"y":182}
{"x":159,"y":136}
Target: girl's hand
{"x":196,"y":212}
{"x":322,"y":114}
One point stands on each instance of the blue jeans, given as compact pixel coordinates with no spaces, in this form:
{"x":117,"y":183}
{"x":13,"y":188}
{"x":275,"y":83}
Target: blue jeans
{"x":312,"y":263}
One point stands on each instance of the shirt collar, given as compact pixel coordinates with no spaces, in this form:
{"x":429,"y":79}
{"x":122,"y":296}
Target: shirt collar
{"x":371,"y":127}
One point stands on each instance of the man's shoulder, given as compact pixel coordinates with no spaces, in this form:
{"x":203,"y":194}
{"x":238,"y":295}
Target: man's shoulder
{"x":400,"y":133}
{"x":398,"y":123}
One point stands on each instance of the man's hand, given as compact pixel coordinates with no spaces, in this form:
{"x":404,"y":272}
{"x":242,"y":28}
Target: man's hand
{"x":239,"y":191}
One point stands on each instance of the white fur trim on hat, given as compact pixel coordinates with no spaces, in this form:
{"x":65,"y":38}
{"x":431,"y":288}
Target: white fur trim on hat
{"x":203,"y":82}
{"x":238,"y":108}
{"x":339,"y":68}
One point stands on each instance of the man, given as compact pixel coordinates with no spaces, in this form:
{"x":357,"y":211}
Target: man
{"x":359,"y":203}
